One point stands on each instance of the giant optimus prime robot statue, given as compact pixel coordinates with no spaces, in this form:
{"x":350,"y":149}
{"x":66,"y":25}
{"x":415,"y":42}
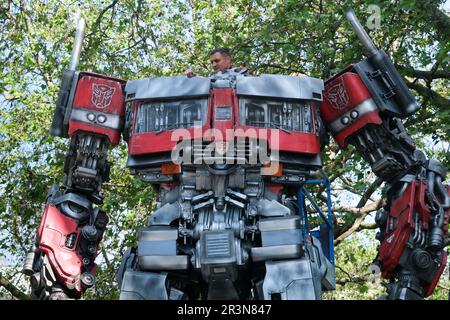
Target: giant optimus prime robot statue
{"x":231,"y":230}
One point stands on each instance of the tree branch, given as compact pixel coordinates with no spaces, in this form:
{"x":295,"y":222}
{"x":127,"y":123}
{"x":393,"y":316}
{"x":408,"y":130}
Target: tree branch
{"x":38,"y":60}
{"x":343,"y":282}
{"x":440,"y":101}
{"x":422,"y":74}
{"x":12,"y":289}
{"x":269,"y":65}
{"x":105,"y":255}
{"x":351,"y":279}
{"x":370,"y":190}
{"x":361,"y":210}
{"x":367,"y":226}
{"x":96,"y":24}
{"x":100,"y":16}
{"x":336,"y":166}
{"x":362,"y":214}
{"x":436,"y":17}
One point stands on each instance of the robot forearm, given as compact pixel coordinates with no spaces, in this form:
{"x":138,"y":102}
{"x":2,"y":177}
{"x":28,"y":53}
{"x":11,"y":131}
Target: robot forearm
{"x":62,"y":264}
{"x":414,"y":223}
{"x":414,"y":233}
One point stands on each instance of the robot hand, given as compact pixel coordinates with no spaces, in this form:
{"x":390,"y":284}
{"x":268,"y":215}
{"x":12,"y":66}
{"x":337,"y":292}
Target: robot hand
{"x":414,"y":234}
{"x":62,"y":264}
{"x":44,"y":285}
{"x":189,"y":73}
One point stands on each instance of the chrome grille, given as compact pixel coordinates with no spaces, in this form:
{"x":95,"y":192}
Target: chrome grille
{"x":240,"y":151}
{"x":217,"y":245}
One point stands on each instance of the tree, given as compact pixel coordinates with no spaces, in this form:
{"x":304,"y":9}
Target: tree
{"x":135,"y":39}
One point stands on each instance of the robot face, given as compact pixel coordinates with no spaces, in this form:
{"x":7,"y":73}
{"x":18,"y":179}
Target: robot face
{"x":102,"y":95}
{"x":337,"y":96}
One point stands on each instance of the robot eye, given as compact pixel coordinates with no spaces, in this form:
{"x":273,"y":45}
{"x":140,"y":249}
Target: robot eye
{"x":90,"y":116}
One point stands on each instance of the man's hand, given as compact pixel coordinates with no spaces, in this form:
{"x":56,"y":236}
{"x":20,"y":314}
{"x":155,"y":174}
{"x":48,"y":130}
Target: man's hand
{"x":189,"y":73}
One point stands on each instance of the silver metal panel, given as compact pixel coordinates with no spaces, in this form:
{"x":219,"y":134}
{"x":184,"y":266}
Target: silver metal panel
{"x":301,"y":289}
{"x":166,"y":214}
{"x":282,"y":223}
{"x":293,"y":280}
{"x":158,"y":233}
{"x":113,"y":121}
{"x":280,"y":86}
{"x":272,"y":208}
{"x":164,"y":262}
{"x":351,"y":116}
{"x":281,"y":237}
{"x":143,"y":286}
{"x":276,"y":252}
{"x":157,"y":248}
{"x":167,"y":88}
{"x":329,"y":280}
{"x":217,"y":247}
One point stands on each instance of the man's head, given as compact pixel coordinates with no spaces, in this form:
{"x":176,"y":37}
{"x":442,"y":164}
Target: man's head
{"x":220,"y":59}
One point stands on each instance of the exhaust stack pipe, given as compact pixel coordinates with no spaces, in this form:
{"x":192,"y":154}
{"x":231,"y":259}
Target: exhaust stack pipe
{"x":360,"y":32}
{"x":59,"y":127}
{"x":381,"y":77}
{"x":79,"y":36}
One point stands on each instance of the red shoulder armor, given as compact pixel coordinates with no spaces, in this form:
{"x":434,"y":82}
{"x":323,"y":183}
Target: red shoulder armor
{"x":98,"y":106}
{"x":347,"y":106}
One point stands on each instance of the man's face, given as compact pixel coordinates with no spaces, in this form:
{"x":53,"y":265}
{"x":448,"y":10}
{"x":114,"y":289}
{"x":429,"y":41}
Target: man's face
{"x":220,"y":62}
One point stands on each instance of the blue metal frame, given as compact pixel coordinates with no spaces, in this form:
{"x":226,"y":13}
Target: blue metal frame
{"x":325,"y":232}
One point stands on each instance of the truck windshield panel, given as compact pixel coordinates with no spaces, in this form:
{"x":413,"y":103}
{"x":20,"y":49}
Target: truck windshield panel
{"x":290,"y":116}
{"x":170,"y":115}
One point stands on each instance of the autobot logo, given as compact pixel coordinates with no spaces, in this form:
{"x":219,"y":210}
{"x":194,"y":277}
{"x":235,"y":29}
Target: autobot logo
{"x":337,"y":96}
{"x":389,"y":240}
{"x":102,"y":95}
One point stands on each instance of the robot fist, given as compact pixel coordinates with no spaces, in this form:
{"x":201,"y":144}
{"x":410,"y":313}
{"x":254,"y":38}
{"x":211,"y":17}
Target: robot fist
{"x":62,"y":264}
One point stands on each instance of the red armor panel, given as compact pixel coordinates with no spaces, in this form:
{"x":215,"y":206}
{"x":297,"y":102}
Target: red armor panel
{"x":347,"y":106}
{"x":401,"y":217}
{"x":53,"y":232}
{"x":400,"y":224}
{"x":430,"y":288}
{"x":224,"y":107}
{"x":98,"y":106}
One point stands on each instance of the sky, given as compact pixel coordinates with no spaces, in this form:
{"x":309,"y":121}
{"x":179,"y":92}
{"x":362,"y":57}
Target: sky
{"x":446,"y":6}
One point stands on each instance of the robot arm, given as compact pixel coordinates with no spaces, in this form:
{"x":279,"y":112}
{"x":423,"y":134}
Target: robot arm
{"x":90,"y":112}
{"x":362,"y":106}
